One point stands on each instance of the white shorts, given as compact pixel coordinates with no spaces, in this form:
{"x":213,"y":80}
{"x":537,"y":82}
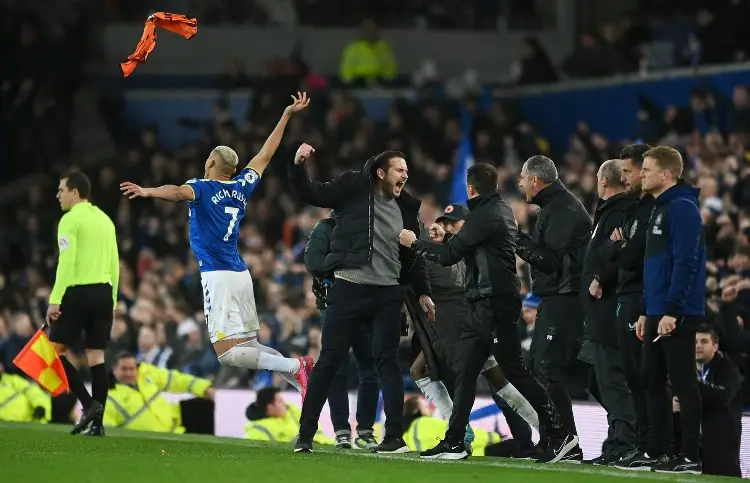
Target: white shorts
{"x":229,"y":305}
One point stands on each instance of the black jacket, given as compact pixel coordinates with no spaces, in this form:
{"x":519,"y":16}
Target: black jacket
{"x":631,"y":252}
{"x":557,"y":246}
{"x":487,"y":243}
{"x":601,"y":313}
{"x":316,"y":250}
{"x":720,"y":383}
{"x":448,"y":284}
{"x":351,"y":194}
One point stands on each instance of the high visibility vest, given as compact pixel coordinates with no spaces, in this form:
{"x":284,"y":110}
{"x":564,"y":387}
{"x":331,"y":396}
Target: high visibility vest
{"x":367,"y":60}
{"x":19,"y":398}
{"x":283,"y":430}
{"x":144,"y":408}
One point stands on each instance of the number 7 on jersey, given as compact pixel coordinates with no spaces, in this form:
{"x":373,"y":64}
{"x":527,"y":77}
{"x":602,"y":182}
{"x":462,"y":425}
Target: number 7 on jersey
{"x":231,"y":211}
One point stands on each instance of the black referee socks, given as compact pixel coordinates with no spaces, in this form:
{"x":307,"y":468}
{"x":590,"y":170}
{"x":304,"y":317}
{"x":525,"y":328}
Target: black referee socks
{"x":76,"y":384}
{"x":99,"y":383}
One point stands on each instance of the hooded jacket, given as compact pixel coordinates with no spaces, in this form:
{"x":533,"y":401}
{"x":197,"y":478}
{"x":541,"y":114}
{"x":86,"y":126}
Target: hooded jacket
{"x":674,"y":271}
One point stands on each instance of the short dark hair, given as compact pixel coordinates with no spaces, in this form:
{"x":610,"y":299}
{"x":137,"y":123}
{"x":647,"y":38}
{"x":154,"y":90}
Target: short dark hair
{"x":75,"y":180}
{"x":483,"y":177}
{"x":266,"y":396}
{"x":710,"y":330}
{"x":382,"y":159}
{"x":635,"y":153}
{"x":123,"y":355}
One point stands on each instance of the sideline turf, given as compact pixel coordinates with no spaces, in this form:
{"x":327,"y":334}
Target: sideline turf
{"x":47,"y":453}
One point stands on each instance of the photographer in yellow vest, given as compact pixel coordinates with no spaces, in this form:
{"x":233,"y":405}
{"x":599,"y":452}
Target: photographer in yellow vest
{"x":136,"y":401}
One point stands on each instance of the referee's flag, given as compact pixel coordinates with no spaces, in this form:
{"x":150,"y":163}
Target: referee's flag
{"x":39,"y":361}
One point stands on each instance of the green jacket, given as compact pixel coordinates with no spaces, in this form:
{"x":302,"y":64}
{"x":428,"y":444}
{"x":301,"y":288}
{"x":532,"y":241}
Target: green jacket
{"x":317,"y":249}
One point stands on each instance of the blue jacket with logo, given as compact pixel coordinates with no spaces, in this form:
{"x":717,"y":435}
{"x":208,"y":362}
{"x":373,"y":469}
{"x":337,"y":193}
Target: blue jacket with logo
{"x":675,"y":265}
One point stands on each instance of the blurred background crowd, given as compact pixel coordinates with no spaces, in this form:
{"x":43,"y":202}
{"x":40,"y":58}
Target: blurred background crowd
{"x":53,"y":99}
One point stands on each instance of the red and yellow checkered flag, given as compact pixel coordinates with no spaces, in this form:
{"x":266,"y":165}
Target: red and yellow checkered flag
{"x":39,"y":361}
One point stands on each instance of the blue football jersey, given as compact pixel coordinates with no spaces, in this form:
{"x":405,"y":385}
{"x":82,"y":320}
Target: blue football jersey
{"x":215,"y":216}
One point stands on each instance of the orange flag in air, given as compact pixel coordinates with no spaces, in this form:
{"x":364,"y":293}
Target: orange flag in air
{"x":39,"y":361}
{"x":174,"y":22}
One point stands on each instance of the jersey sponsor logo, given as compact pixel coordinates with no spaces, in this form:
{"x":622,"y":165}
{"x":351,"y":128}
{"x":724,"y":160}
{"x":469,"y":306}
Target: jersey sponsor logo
{"x":63,"y":243}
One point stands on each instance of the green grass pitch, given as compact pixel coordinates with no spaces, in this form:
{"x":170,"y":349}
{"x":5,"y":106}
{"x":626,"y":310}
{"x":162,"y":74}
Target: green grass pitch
{"x":47,"y":453}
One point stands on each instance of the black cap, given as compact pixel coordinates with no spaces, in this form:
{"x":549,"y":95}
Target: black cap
{"x":454,"y":212}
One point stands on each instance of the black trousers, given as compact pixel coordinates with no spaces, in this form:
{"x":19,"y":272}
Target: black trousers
{"x":367,"y":392}
{"x":350,"y":306}
{"x":491,"y":328}
{"x":672,"y":359}
{"x":557,"y":337}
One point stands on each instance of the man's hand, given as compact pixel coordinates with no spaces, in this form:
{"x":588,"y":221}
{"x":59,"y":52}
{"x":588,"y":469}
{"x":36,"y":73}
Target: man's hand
{"x":53,"y":313}
{"x":667,"y":325}
{"x":428,"y":306}
{"x":675,"y":405}
{"x":618,"y":234}
{"x":298,"y":103}
{"x":304,"y":152}
{"x":406,"y":238}
{"x":132,"y":190}
{"x":640,"y":327}
{"x":210,"y":394}
{"x":595,"y":289}
{"x":437,"y":234}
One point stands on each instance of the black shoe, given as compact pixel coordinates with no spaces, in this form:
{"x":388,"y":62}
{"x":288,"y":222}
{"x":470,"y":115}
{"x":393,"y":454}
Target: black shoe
{"x":638,"y":461}
{"x":446,"y":451}
{"x":303,"y":446}
{"x":96,"y":411}
{"x":96,"y":429}
{"x":559,"y":448}
{"x":603,"y":460}
{"x":679,"y":464}
{"x":343,"y":441}
{"x":523,"y":453}
{"x":575,"y":456}
{"x":391,"y":445}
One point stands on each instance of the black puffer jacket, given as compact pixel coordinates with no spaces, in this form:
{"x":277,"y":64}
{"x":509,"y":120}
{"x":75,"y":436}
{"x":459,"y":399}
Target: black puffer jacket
{"x":557,"y":247}
{"x":351,"y":195}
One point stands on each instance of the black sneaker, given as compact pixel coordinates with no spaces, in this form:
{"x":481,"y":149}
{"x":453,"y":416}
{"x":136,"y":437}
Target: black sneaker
{"x":575,"y":456}
{"x":679,"y":464}
{"x":559,"y":448}
{"x":523,"y":453}
{"x":95,"y":412}
{"x":446,"y":451}
{"x":365,"y":441}
{"x":343,"y":441}
{"x":391,"y":445}
{"x":637,"y":461}
{"x":303,"y":446}
{"x":96,"y":429}
{"x":603,"y":460}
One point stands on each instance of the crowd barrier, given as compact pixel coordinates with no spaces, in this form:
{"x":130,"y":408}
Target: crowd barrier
{"x":590,"y":418}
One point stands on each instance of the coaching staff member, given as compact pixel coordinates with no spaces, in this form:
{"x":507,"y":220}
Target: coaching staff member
{"x":487,"y":243}
{"x":674,"y":298}
{"x":599,"y":294}
{"x":84,"y":297}
{"x":371,"y":271}
{"x":316,"y":250}
{"x":555,"y":250}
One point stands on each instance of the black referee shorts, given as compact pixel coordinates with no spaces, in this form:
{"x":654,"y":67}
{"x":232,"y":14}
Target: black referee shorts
{"x":88,"y":310}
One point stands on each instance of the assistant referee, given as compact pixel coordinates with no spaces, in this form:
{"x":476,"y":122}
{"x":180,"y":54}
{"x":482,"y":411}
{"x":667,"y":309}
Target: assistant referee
{"x":85,"y":293}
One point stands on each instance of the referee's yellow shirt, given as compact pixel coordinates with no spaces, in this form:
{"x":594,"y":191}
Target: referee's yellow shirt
{"x":88,"y":251}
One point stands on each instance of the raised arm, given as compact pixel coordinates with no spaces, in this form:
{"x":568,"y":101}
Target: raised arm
{"x":167,"y":192}
{"x":261,"y":160}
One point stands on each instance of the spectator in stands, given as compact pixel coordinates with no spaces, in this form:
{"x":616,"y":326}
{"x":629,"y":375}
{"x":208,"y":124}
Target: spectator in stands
{"x":368,"y":59}
{"x":536,"y":67}
{"x":592,"y":58}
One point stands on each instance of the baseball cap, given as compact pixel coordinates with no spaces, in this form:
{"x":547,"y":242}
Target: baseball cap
{"x":454,"y":212}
